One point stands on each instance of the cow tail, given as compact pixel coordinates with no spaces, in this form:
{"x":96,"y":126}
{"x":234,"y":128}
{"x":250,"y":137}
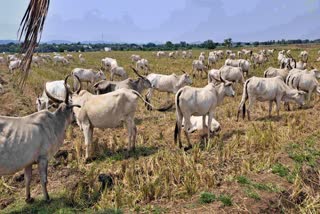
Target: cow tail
{"x":245,"y":96}
{"x":150,"y":105}
{"x":178,"y":110}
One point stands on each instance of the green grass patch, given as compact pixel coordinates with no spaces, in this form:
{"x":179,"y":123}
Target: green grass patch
{"x":207,"y":197}
{"x":252,"y":194}
{"x":243,"y":180}
{"x":226,"y":200}
{"x":280,"y":170}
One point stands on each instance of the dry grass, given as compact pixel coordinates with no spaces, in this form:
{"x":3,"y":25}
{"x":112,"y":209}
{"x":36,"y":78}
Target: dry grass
{"x":159,"y":177}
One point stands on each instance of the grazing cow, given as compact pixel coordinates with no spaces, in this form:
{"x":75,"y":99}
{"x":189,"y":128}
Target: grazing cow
{"x":247,"y":53}
{"x":37,"y":60}
{"x":172,"y":55}
{"x":268,"y":89}
{"x":69,"y":57}
{"x":258,"y":59}
{"x":192,"y":101}
{"x":60,"y":59}
{"x":135,"y":58}
{"x":104,"y":86}
{"x":167,"y":83}
{"x":118,"y":71}
{"x":198,"y":66}
{"x":202,"y":57}
{"x":33,"y":139}
{"x":184,"y":54}
{"x":232,"y":74}
{"x":305,"y":81}
{"x":304,"y":55}
{"x":243,"y":64}
{"x":87,"y":75}
{"x":107,"y":111}
{"x":13,"y":65}
{"x":274,"y":72}
{"x":143,"y":64}
{"x":212,"y":59}
{"x":161,"y":54}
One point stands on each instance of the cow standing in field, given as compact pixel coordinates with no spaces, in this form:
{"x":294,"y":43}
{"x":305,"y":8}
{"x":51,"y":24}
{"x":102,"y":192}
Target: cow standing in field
{"x":192,"y":101}
{"x":167,"y":83}
{"x":86,"y":75}
{"x":268,"y":89}
{"x":198,"y":66}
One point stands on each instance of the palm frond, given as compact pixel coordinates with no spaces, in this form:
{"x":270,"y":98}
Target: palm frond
{"x":30,"y":30}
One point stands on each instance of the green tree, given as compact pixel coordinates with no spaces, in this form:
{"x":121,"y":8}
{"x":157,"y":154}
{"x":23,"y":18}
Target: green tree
{"x":209,"y":44}
{"x":169,"y":45}
{"x":228,"y":42}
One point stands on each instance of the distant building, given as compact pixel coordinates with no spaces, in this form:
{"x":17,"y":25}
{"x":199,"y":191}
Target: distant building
{"x":107,"y":49}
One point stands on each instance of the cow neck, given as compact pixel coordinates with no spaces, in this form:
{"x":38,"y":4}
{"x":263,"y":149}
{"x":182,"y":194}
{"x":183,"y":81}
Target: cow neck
{"x":180,"y":82}
{"x":219,"y":93}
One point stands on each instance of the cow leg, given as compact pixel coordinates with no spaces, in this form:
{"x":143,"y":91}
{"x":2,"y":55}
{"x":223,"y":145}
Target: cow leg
{"x":270,"y":107}
{"x":168,"y":96}
{"x":187,"y":127}
{"x":132,"y":132}
{"x":210,"y":116}
{"x":27,"y":178}
{"x":177,"y":131}
{"x":309,"y":96}
{"x":149,"y":96}
{"x":87,"y":131}
{"x":278,"y":103}
{"x":43,"y":172}
{"x":251,"y":102}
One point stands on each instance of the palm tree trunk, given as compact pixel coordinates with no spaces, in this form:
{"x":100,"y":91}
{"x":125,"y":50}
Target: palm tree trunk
{"x":30,"y":30}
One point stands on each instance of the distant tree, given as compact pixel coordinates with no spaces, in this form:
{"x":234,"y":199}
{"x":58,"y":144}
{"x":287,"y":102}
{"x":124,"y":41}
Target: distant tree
{"x":238,"y":44}
{"x":256,"y":43}
{"x":228,"y":42}
{"x":169,"y":45}
{"x":183,"y":44}
{"x":209,"y":44}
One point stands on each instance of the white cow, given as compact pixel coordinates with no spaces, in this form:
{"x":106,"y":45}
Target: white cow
{"x":13,"y":65}
{"x":268,"y":89}
{"x":192,"y":101}
{"x":60,"y":59}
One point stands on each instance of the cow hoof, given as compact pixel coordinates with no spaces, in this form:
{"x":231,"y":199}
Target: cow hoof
{"x":29,"y":200}
{"x":89,"y":160}
{"x":48,"y":200}
{"x":187,"y":148}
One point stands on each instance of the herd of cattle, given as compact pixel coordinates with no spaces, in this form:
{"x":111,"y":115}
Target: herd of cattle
{"x":32,"y":139}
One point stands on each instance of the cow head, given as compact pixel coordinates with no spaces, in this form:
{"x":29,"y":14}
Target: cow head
{"x":185,"y":78}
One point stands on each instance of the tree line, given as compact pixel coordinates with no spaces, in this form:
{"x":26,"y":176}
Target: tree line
{"x":168,"y":46}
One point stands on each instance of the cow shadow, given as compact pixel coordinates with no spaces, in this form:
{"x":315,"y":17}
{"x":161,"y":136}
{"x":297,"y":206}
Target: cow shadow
{"x":124,"y":154}
{"x":267,"y":118}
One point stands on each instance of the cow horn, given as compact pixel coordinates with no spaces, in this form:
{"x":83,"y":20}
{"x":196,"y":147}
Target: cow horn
{"x":183,"y":71}
{"x":221,"y":79}
{"x":67,"y":90}
{"x":136,"y":72}
{"x":79,"y":89}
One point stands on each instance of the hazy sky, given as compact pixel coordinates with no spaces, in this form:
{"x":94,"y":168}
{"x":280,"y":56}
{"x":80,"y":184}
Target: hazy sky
{"x":174,"y":20}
